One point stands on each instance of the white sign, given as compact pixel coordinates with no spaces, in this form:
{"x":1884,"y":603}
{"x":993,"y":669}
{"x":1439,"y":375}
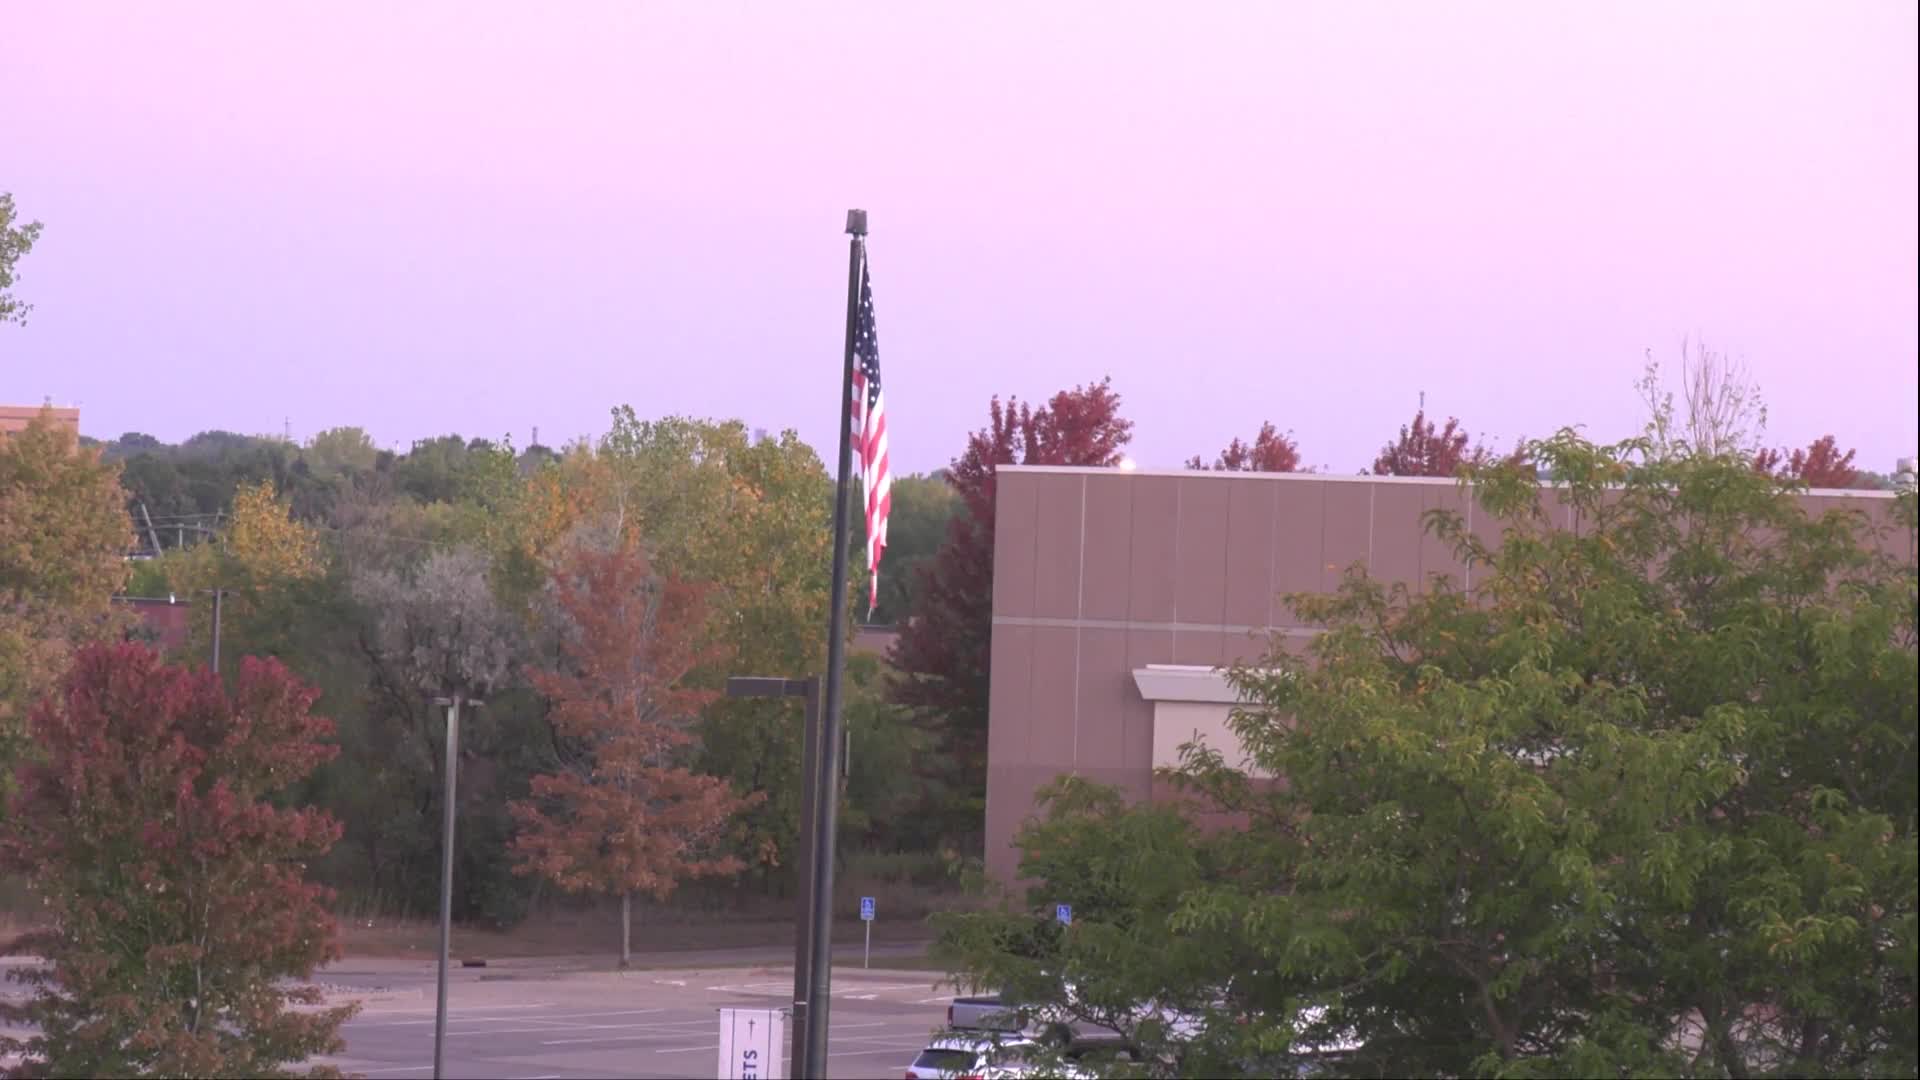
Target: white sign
{"x":1063,"y":914}
{"x":866,"y":909}
{"x":750,"y":1043}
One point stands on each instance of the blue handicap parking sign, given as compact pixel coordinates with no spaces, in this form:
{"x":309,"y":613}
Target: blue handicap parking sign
{"x":1063,"y":914}
{"x":866,"y":909}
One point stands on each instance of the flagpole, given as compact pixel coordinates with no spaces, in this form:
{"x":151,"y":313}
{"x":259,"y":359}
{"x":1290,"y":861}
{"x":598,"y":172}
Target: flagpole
{"x":826,"y":777}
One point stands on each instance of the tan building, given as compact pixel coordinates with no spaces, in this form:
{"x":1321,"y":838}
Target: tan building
{"x":16,"y":418}
{"x":1117,"y":596}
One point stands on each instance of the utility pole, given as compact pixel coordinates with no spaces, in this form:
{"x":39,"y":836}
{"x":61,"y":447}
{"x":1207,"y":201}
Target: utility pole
{"x":446,"y":878}
{"x":152,"y":536}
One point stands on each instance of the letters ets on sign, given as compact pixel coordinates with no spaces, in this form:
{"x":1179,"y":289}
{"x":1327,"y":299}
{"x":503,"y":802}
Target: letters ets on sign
{"x":750,"y":1043}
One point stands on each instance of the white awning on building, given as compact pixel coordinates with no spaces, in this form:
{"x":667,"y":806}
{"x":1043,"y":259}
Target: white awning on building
{"x":1191,"y":704}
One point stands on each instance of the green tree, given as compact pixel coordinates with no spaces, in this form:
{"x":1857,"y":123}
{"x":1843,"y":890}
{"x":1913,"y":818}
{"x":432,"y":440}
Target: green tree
{"x":1643,"y":800}
{"x":16,"y":241}
{"x":884,"y":791}
{"x":433,"y":627}
{"x":63,"y":540}
{"x":751,"y":519}
{"x":341,"y":451}
{"x":261,"y":552}
{"x":923,"y":508}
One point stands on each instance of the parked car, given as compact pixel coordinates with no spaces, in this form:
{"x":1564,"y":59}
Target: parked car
{"x":984,"y":1013}
{"x":982,"y":1056}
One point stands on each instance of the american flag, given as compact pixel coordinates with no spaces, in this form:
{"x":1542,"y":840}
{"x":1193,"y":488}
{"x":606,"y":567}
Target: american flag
{"x":870,"y":435}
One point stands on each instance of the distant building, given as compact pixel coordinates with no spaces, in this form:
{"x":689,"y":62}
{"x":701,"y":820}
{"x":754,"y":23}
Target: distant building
{"x":874,"y":640}
{"x":1119,"y":597}
{"x":167,"y":622}
{"x":15,"y":418}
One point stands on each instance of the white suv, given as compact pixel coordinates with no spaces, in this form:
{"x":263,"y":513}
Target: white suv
{"x":981,"y":1057}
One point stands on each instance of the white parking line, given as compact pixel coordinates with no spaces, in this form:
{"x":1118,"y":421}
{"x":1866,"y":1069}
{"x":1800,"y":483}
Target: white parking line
{"x":490,"y":1009}
{"x":688,"y":1049}
{"x":553,"y":1018}
{"x":679,"y":1031}
{"x":400,"y":1069}
{"x":558,"y":1030}
{"x":854,"y":991}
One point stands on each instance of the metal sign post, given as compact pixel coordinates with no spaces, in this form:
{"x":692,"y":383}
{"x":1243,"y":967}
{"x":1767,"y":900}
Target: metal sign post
{"x":866,"y":916}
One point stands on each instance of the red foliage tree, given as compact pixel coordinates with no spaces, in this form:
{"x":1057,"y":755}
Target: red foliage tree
{"x":943,"y":649}
{"x":1270,"y":451}
{"x":149,"y":825}
{"x":1820,"y":465}
{"x":1424,"y":449}
{"x":623,"y":814}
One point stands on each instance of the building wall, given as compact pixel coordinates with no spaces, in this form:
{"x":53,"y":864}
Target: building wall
{"x":1100,"y":574}
{"x":169,"y":620}
{"x":15,"y":418}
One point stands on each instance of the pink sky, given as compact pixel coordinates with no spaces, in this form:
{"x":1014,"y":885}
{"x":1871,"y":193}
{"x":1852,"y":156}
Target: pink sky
{"x":483,"y":217}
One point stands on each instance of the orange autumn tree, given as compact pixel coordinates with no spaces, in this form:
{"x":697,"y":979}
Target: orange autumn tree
{"x":621,"y":813}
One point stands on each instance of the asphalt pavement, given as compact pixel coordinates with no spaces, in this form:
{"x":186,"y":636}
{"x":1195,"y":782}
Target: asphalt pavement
{"x":533,"y":1019}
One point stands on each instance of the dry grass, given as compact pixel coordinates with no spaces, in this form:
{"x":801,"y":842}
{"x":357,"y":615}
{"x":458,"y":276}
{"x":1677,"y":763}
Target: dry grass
{"x":905,"y":888}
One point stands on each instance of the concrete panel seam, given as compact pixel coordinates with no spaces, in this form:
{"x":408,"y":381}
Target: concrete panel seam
{"x":1174,"y":570}
{"x":1273,"y":556}
{"x":1322,"y":560}
{"x":1370,"y":492}
{"x":1080,"y":586}
{"x":1079,"y":608}
{"x":1044,"y":622}
{"x":1226,"y":560}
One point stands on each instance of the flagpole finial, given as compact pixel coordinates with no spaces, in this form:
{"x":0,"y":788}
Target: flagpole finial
{"x":857,"y":222}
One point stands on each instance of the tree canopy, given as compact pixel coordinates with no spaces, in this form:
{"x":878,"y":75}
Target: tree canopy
{"x":1270,"y":451}
{"x":16,"y":241}
{"x":620,"y":812}
{"x":63,"y":540}
{"x":1426,"y":449}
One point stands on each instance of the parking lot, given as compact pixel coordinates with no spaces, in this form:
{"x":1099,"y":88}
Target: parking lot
{"x":532,"y":1022}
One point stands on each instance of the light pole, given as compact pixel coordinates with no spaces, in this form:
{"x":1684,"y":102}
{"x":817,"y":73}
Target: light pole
{"x":807,"y":689}
{"x":213,"y":665}
{"x":452,"y":705}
